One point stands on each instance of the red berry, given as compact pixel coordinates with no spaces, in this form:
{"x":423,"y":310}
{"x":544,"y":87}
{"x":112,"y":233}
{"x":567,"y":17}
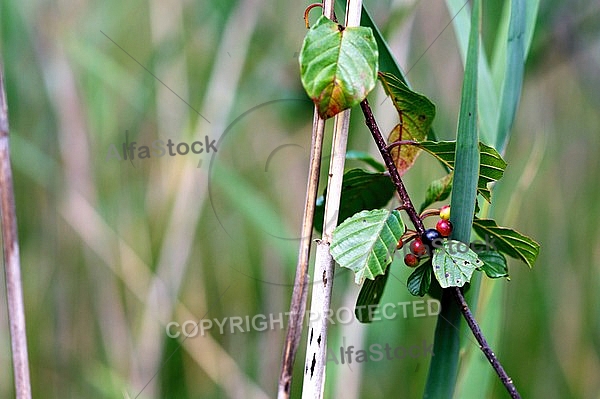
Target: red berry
{"x":400,"y":244}
{"x":445,"y":212}
{"x":411,"y":260}
{"x":444,"y":227}
{"x":417,"y":247}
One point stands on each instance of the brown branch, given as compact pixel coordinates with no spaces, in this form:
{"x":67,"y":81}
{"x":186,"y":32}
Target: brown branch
{"x":483,"y":345}
{"x":416,"y":220}
{"x":300,"y":292}
{"x":12,"y":267}
{"x":401,"y":142}
{"x":407,"y":204}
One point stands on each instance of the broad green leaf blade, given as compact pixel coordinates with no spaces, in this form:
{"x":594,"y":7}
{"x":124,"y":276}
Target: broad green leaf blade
{"x":416,"y":114}
{"x":507,"y":241}
{"x":370,"y":296}
{"x":361,"y":190}
{"x":454,"y":263}
{"x":443,"y":368}
{"x":438,"y":190}
{"x":367,"y":158}
{"x":338,"y":66}
{"x":491,"y":167}
{"x":366,"y":242}
{"x":419,"y":281}
{"x":494,"y":264}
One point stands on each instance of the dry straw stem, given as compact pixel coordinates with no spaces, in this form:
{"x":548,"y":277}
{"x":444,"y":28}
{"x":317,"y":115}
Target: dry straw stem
{"x":12,"y":266}
{"x":300,"y":292}
{"x":316,"y":352}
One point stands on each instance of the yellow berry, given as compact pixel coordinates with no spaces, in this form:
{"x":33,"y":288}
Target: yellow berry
{"x":445,"y":212}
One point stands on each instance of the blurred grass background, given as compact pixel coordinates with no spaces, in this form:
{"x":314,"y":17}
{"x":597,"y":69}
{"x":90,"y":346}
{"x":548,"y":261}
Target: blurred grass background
{"x":114,"y":250}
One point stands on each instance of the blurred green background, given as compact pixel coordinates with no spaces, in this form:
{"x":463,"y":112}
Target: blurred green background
{"x":113,"y":250}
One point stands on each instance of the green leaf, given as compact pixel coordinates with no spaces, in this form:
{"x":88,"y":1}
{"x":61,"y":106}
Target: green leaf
{"x":491,"y":166}
{"x":370,"y":296}
{"x":366,"y":242}
{"x":361,"y":190}
{"x":494,"y":264}
{"x":507,"y":241}
{"x":367,"y":158}
{"x":454,"y":263}
{"x":438,"y":190}
{"x":416,"y":114}
{"x":415,"y":110}
{"x":338,"y":66}
{"x":419,"y":281}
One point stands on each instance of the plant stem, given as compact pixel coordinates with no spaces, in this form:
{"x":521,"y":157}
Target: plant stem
{"x":483,"y":345}
{"x":12,"y":267}
{"x":299,"y":294}
{"x":316,"y":350}
{"x":408,"y":206}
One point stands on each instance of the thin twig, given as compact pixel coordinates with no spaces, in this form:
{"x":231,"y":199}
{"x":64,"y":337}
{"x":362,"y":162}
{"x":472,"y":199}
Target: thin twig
{"x":401,"y":142}
{"x":12,"y":266}
{"x":483,"y":345}
{"x":299,"y":294}
{"x":407,"y":204}
{"x":416,"y":220}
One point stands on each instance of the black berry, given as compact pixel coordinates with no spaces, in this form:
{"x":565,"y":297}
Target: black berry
{"x":431,"y":238}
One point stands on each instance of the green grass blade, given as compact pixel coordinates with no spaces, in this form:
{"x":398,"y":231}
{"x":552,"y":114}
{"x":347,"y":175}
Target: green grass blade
{"x":513,"y":74}
{"x":531,"y":13}
{"x":444,"y":365}
{"x":387,"y":62}
{"x":488,"y":99}
{"x":476,"y":377}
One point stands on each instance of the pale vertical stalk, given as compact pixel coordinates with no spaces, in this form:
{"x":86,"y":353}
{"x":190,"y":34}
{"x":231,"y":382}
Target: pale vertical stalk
{"x":316,"y":352}
{"x":300,"y":292}
{"x":12,"y":267}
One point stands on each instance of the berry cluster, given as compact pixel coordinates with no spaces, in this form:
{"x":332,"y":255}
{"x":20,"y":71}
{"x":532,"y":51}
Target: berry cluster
{"x":423,"y":245}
